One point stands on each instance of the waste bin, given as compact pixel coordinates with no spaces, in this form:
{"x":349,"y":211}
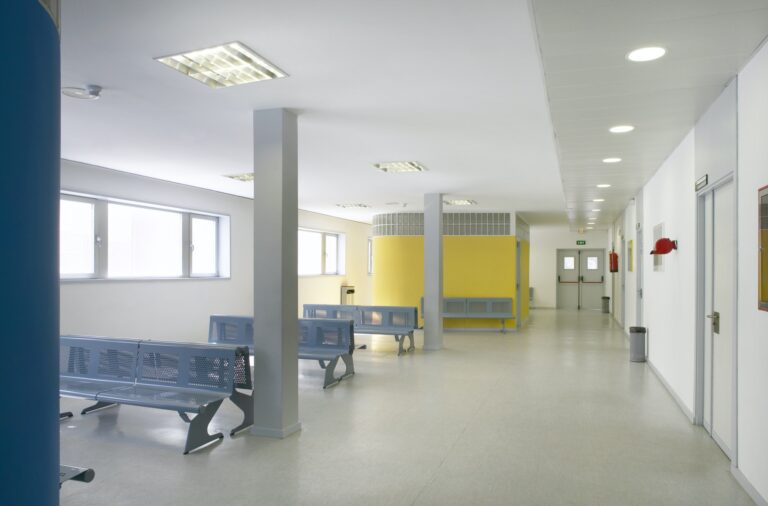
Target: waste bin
{"x":606,"y":304}
{"x":637,"y":344}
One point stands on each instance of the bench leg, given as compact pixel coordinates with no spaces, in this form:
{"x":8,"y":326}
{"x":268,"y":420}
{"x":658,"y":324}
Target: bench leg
{"x":330,"y":379}
{"x":413,"y":345}
{"x":349,"y":364}
{"x":401,"y":341}
{"x":245,"y":403}
{"x":198,"y":435}
{"x":99,"y":405}
{"x":503,"y":326}
{"x":65,"y":415}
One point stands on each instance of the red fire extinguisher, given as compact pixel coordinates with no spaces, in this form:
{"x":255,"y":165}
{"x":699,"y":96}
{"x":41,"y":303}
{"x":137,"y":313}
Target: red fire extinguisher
{"x":613,"y":261}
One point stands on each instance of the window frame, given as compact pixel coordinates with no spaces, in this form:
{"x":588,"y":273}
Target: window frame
{"x":762,"y":303}
{"x":101,"y":239}
{"x":370,"y":255}
{"x":340,"y":253}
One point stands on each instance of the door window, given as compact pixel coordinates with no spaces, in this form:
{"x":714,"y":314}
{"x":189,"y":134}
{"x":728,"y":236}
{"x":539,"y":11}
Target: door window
{"x":592,"y":263}
{"x":569,"y":263}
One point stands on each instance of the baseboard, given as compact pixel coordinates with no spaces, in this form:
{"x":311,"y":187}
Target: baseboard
{"x":276,"y":433}
{"x":678,"y":400}
{"x":748,"y":488}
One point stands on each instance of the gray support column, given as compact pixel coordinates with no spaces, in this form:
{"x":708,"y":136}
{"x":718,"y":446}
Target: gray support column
{"x":433,"y":271}
{"x":29,"y":256}
{"x":275,"y":280}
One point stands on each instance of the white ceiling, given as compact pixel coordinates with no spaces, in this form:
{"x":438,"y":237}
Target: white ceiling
{"x":455,"y":85}
{"x":591,"y":86}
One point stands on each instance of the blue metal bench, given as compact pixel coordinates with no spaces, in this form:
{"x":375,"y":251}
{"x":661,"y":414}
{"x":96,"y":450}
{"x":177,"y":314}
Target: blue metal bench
{"x":328,"y":341}
{"x":181,"y":377}
{"x":397,"y":321}
{"x":323,"y":342}
{"x":500,"y":308}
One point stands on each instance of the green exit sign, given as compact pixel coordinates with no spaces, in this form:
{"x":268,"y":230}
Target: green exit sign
{"x":581,"y":243}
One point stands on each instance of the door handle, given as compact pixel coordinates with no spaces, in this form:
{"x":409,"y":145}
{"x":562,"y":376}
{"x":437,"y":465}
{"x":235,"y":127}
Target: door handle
{"x":715,"y":317}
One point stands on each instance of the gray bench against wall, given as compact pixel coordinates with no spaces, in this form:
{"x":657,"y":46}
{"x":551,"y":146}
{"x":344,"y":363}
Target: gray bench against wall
{"x":182,"y":377}
{"x":328,"y":341}
{"x":500,"y":308}
{"x":397,"y":321}
{"x":229,"y":329}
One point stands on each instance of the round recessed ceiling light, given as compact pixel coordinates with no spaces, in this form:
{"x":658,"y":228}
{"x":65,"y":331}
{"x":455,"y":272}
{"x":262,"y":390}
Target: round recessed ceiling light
{"x":621,"y":129}
{"x":90,"y":92}
{"x":598,"y":200}
{"x":644,"y":54}
{"x":611,"y":160}
{"x":603,"y":185}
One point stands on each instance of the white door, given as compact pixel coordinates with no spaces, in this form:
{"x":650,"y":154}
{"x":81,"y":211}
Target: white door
{"x":592,"y":279}
{"x":567,"y":279}
{"x":719,"y":308}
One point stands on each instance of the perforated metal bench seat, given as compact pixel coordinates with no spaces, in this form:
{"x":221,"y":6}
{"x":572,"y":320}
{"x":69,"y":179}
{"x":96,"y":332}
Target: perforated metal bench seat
{"x":397,"y":321}
{"x":181,"y":377}
{"x":173,"y":399}
{"x":328,"y":341}
{"x":490,"y":308}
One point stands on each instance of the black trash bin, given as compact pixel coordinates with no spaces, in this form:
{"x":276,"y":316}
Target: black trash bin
{"x":637,"y":344}
{"x":606,"y":305}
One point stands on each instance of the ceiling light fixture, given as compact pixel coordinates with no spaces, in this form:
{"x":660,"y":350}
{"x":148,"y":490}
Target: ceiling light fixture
{"x":621,"y":129}
{"x":400,"y":167}
{"x":611,"y":160}
{"x":595,"y":210}
{"x":645,"y":54}
{"x":223,"y":66}
{"x":590,"y":228}
{"x":90,"y":92}
{"x":353,"y":206}
{"x":603,"y":185}
{"x":460,"y":202}
{"x":598,"y":200}
{"x":245,"y":178}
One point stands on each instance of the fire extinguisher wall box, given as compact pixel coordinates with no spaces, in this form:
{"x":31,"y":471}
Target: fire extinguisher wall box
{"x":613,"y":261}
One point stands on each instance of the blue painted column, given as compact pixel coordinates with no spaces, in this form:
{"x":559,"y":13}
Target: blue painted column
{"x":29,"y":256}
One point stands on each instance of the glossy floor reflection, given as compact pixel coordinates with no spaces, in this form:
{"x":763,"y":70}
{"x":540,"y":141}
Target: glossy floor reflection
{"x":554,"y":414}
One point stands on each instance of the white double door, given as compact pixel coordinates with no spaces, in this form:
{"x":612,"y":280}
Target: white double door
{"x":580,"y":278}
{"x":719,"y":308}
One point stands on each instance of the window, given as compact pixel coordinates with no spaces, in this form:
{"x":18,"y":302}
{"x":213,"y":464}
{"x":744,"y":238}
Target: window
{"x":106,"y":239}
{"x":569,"y":263}
{"x":319,"y":253}
{"x":77,"y":239}
{"x":763,"y":248}
{"x":592,"y":263}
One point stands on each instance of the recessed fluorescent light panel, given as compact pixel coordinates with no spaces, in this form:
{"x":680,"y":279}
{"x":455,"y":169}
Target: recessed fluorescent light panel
{"x":400,"y":167}
{"x":223,"y":66}
{"x":245,"y":178}
{"x":604,"y":185}
{"x":611,"y":160}
{"x":353,"y":206}
{"x":598,"y":200}
{"x":621,"y":129}
{"x":460,"y":202}
{"x":644,"y":54}
{"x":595,"y":210}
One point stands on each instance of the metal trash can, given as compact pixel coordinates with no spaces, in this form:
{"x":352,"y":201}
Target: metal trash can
{"x":637,"y":344}
{"x":606,"y":304}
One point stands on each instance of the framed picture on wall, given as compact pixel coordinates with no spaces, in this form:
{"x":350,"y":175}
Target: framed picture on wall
{"x":762,"y":247}
{"x":631,"y":255}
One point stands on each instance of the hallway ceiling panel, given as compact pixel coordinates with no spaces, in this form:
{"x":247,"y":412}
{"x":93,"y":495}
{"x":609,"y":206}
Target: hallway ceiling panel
{"x":454,"y":85}
{"x":591,"y":86}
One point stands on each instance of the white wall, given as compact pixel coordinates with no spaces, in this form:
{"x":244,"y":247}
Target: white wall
{"x":326,"y":289}
{"x":179,"y":309}
{"x":545,"y":241}
{"x":670,"y":295}
{"x":170,"y":310}
{"x":752,"y":323}
{"x":624,"y":307}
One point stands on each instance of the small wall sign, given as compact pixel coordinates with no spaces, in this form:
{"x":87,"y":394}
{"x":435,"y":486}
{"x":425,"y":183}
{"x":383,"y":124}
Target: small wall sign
{"x":702,"y":182}
{"x":581,"y":243}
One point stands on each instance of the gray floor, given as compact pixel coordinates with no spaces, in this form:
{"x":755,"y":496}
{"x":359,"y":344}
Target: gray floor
{"x":552,"y":415}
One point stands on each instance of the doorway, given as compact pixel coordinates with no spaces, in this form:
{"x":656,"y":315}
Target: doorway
{"x":716,"y":315}
{"x":580,"y":278}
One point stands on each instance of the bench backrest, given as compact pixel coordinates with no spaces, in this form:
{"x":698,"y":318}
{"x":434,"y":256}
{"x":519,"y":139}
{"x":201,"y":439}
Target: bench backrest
{"x":367,"y":318}
{"x":228,"y":329}
{"x":185,"y":365}
{"x":98,"y":358}
{"x":326,"y":334}
{"x":477,"y":307}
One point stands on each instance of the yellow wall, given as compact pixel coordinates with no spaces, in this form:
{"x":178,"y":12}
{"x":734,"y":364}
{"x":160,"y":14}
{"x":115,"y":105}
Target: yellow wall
{"x":525,"y":283}
{"x":473,"y":266}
